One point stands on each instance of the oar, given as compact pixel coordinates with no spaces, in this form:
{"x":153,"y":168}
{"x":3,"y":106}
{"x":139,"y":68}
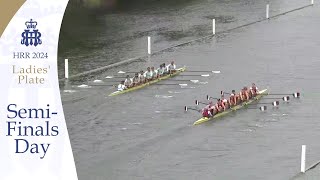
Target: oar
{"x":102,"y":85}
{"x":173,"y":84}
{"x":197,"y":103}
{"x":296,"y":95}
{"x":262,"y":108}
{"x":286,"y":98}
{"x":209,"y":97}
{"x":110,"y":77}
{"x":216,"y":72}
{"x":274,"y":103}
{"x":187,"y":108}
{"x":123,"y":72}
{"x":202,"y":75}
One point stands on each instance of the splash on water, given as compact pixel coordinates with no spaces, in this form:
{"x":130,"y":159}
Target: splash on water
{"x":83,"y":86}
{"x":97,"y":81}
{"x":163,"y":96}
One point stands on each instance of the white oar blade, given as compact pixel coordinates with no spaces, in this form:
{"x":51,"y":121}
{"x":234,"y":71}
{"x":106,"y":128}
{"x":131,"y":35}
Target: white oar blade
{"x":183,"y":84}
{"x":208,"y":97}
{"x":197,"y":102}
{"x":205,"y":75}
{"x":186,"y":108}
{"x":109,"y":77}
{"x":121,"y":72}
{"x":216,"y":72}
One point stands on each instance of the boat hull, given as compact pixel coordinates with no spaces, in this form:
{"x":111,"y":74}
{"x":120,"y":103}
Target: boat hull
{"x":235,"y":108}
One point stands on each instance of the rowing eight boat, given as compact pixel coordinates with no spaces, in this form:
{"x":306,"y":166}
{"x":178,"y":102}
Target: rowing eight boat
{"x":235,"y":108}
{"x":180,"y":70}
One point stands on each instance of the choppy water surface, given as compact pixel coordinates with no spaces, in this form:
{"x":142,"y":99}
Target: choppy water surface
{"x":146,"y":135}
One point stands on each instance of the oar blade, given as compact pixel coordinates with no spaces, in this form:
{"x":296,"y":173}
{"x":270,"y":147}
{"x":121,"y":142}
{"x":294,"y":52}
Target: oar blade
{"x":185,"y":108}
{"x":216,"y":72}
{"x":109,"y":77}
{"x":121,"y":72}
{"x":296,"y":95}
{"x":197,"y":102}
{"x":275,"y":103}
{"x":263,"y":108}
{"x":286,"y":98}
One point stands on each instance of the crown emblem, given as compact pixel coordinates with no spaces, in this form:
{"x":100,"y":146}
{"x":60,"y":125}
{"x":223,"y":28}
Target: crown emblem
{"x":31,"y":24}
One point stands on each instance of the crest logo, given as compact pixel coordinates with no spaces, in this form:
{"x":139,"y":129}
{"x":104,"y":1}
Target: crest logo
{"x":31,"y":35}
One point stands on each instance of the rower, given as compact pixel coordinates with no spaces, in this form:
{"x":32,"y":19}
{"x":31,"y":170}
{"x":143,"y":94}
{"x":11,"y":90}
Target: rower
{"x":244,"y":94}
{"x":128,"y":82}
{"x":254,"y":89}
{"x":225,"y":102}
{"x":154,"y":73}
{"x":219,"y":106}
{"x":171,"y":67}
{"x":148,"y":74}
{"x":121,"y":86}
{"x":136,"y":80}
{"x":160,"y":70}
{"x":165,"y":69}
{"x":233,"y":98}
{"x":141,"y":77}
{"x":209,"y":110}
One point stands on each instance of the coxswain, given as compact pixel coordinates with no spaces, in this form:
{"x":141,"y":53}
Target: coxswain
{"x":148,"y":74}
{"x":254,"y":89}
{"x":171,"y":67}
{"x":206,"y":113}
{"x":136,"y":80}
{"x":209,"y":110}
{"x":121,"y":86}
{"x":128,"y":82}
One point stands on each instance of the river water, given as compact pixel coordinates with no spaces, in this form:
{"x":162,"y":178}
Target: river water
{"x":147,"y":135}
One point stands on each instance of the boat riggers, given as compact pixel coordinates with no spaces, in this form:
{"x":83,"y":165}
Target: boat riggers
{"x":275,"y":103}
{"x":209,"y":97}
{"x":295,"y":95}
{"x":187,"y":108}
{"x":197,"y":103}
